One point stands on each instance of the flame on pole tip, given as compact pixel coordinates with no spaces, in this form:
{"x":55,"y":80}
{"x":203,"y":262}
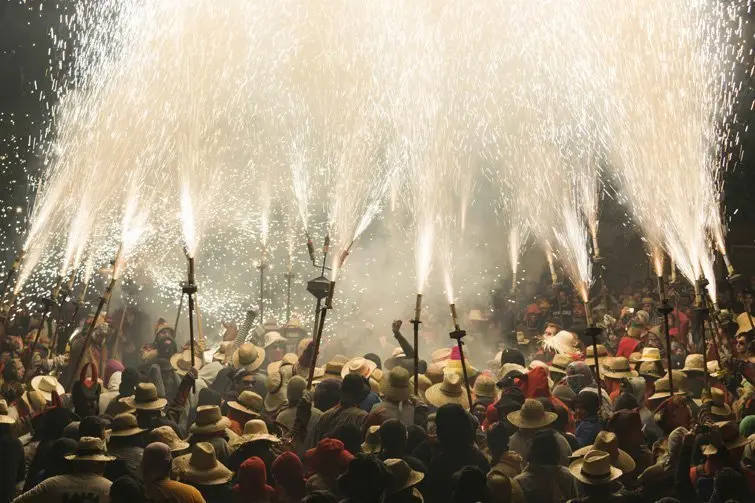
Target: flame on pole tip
{"x":656,"y":258}
{"x":449,"y":287}
{"x":424,"y":254}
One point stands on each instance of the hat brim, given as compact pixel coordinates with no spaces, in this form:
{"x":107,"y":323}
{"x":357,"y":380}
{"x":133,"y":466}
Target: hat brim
{"x":177,"y":446}
{"x":100,"y":458}
{"x":242,"y":408}
{"x":556,"y":370}
{"x":371,"y":366}
{"x":215,"y":476}
{"x":721,"y":410}
{"x":516,"y":419}
{"x":620,"y":374}
{"x":624,"y":461}
{"x":4,"y":419}
{"x":47,"y":394}
{"x":221,"y":425}
{"x":590,"y":360}
{"x":415,"y":478}
{"x":576,"y":469}
{"x":274,"y":401}
{"x":198,"y":364}
{"x":642,"y":360}
{"x":129,"y":432}
{"x":435,"y":396}
{"x":156,"y":404}
{"x":251,"y":367}
{"x":692,"y":371}
{"x":254,"y":437}
{"x":370,"y":448}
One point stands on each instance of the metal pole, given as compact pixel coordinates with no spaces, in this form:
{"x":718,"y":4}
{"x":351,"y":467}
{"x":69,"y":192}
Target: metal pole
{"x":665,"y":309}
{"x":460,"y":344}
{"x":262,"y":291}
{"x":318,"y":334}
{"x":416,"y":322}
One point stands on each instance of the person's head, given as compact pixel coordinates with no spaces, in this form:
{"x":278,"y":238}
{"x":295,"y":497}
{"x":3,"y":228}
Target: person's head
{"x":350,"y":435}
{"x":544,"y":449}
{"x":415,"y":435}
{"x":510,"y":355}
{"x":126,"y":489}
{"x":586,"y":405}
{"x":327,"y":394}
{"x":166,"y":346}
{"x":92,"y":426}
{"x":366,"y":479}
{"x":552,"y":329}
{"x":742,"y":343}
{"x":295,"y":390}
{"x":156,"y":462}
{"x":729,"y":484}
{"x":288,"y":473}
{"x":375,"y":359}
{"x":497,"y":437}
{"x":470,"y":485}
{"x":393,"y":437}
{"x":354,"y":389}
{"x":453,"y":425}
{"x":673,"y":413}
{"x":56,"y":461}
{"x":625,"y":401}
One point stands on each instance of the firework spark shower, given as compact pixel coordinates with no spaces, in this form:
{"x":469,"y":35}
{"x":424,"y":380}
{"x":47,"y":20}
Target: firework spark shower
{"x":235,"y":127}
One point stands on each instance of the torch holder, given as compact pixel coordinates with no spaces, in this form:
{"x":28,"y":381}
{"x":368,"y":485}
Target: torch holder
{"x":322,"y":311}
{"x":700,"y":315}
{"x":458,"y":335}
{"x":593,"y":332}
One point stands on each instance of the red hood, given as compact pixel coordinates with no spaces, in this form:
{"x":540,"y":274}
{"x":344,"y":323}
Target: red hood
{"x":535,"y":383}
{"x":627,"y":346}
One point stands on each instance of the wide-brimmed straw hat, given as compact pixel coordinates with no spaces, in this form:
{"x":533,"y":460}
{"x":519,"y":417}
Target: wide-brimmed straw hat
{"x":730,"y":435}
{"x":650,"y":370}
{"x":484,"y":387}
{"x":169,"y":437}
{"x":4,"y":417}
{"x":595,"y":469}
{"x":371,"y":442}
{"x":694,"y":363}
{"x":359,"y":365}
{"x":181,"y":362}
{"x":634,"y":358}
{"x":276,"y":386}
{"x":603,"y":355}
{"x":607,"y":441}
{"x":288,"y":359}
{"x":531,"y":416}
{"x":402,"y":476}
{"x":222,"y":352}
{"x":90,"y":449}
{"x":125,"y":425}
{"x":650,"y":355}
{"x":441,"y":356}
{"x":334,"y":367}
{"x":46,"y":385}
{"x":255,"y":430}
{"x":719,"y":407}
{"x":424,"y":384}
{"x":618,"y":368}
{"x":202,"y":466}
{"x":249,"y":357}
{"x":145,"y":398}
{"x":559,"y":363}
{"x":209,"y":420}
{"x":248,"y":402}
{"x":663,"y":389}
{"x":714,"y":370}
{"x":396,"y":385}
{"x":451,"y":390}
{"x":272,"y":337}
{"x":434,"y":372}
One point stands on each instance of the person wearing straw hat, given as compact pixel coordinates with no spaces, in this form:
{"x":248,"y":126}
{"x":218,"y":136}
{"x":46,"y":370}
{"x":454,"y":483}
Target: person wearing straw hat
{"x":248,"y":357}
{"x":126,"y":441}
{"x":403,"y":485}
{"x":371,"y":444}
{"x":84,"y":485}
{"x":248,"y":405}
{"x":203,"y":471}
{"x":544,"y":478}
{"x":531,"y":418}
{"x":287,"y":416}
{"x":694,"y":371}
{"x":451,"y":390}
{"x":557,"y":367}
{"x":484,"y":391}
{"x":354,"y":389}
{"x":12,"y":467}
{"x":167,"y":435}
{"x":255,"y":441}
{"x":210,"y":426}
{"x":149,"y":406}
{"x":716,"y":404}
{"x":396,"y":393}
{"x":156,"y":471}
{"x":46,"y":385}
{"x":607,"y":442}
{"x":597,"y":477}
{"x":276,"y":385}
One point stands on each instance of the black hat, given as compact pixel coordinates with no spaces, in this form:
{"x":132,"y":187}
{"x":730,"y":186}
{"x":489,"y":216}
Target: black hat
{"x":354,"y":388}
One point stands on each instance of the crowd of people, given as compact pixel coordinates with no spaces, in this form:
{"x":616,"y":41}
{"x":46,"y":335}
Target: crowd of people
{"x":267,"y":416}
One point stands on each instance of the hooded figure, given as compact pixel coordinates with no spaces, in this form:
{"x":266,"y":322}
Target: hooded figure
{"x":545,"y":480}
{"x":288,"y":474}
{"x":252,"y":484}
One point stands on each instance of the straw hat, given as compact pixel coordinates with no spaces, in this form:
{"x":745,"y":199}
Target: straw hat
{"x":650,"y":355}
{"x":288,"y":359}
{"x":371,"y":443}
{"x":663,"y":390}
{"x":222,"y":352}
{"x":90,"y":449}
{"x":358,"y":365}
{"x":255,"y":430}
{"x":603,"y":355}
{"x":719,"y":407}
{"x":396,"y":386}
{"x":714,"y":370}
{"x":125,"y":425}
{"x":402,"y":476}
{"x":276,"y":386}
{"x":650,"y":370}
{"x":46,"y":385}
{"x":744,"y":324}
{"x":334,"y":367}
{"x":484,"y":387}
{"x":181,"y":362}
{"x":294,"y":324}
{"x":145,"y":398}
{"x":694,"y":363}
{"x":273,"y":337}
{"x":730,"y":435}
{"x":559,"y":363}
{"x":168,"y":436}
{"x":521,"y":339}
{"x":441,"y":356}
{"x":595,"y":469}
{"x":607,"y":442}
{"x":202,"y":467}
{"x":424,"y":384}
{"x":434,"y":372}
{"x":635,"y":357}
{"x":209,"y":420}
{"x":618,"y":368}
{"x":531,"y":416}
{"x":4,"y":417}
{"x":451,"y":390}
{"x":249,"y":357}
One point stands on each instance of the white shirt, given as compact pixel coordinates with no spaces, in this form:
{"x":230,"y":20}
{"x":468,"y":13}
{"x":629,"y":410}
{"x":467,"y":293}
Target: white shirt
{"x":73,"y":488}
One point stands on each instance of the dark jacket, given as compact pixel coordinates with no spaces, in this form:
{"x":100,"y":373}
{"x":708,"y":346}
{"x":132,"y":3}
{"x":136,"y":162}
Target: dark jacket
{"x":12,"y":467}
{"x":587,"y":430}
{"x":442,"y":462}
